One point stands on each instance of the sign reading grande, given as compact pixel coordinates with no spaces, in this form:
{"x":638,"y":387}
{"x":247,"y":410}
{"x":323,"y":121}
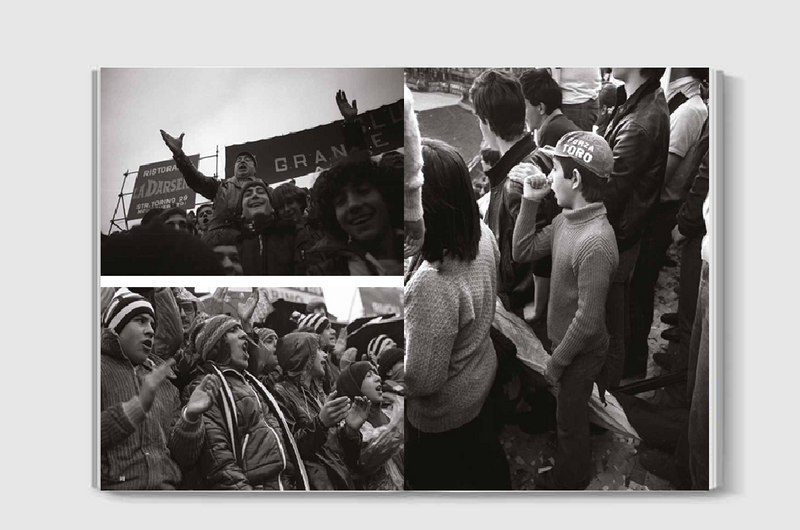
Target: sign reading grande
{"x":160,"y":185}
{"x":297,"y":154}
{"x":381,"y":301}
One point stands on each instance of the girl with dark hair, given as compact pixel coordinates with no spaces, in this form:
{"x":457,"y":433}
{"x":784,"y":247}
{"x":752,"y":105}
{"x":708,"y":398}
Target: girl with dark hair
{"x":291,"y":203}
{"x":450,"y":296}
{"x":360,"y":210}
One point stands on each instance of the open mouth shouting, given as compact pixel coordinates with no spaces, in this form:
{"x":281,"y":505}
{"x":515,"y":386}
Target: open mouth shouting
{"x":147,"y":345}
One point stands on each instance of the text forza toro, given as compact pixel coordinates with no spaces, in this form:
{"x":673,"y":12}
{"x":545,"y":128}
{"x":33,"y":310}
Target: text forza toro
{"x":158,"y":187}
{"x":579,"y":152}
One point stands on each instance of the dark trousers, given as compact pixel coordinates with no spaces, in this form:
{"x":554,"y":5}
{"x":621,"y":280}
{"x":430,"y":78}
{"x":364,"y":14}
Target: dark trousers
{"x":584,"y":115}
{"x":653,"y":253}
{"x":574,"y":455}
{"x":692,"y":450}
{"x":469,"y":457}
{"x":617,"y":314}
{"x":691,"y":265}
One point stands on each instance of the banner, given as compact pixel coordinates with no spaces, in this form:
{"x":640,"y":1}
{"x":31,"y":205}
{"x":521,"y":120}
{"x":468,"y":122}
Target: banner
{"x":297,"y":154}
{"x":381,"y":301}
{"x":160,"y":185}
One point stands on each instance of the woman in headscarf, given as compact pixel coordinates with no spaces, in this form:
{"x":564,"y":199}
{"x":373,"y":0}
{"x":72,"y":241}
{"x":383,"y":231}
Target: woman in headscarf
{"x":326,"y":428}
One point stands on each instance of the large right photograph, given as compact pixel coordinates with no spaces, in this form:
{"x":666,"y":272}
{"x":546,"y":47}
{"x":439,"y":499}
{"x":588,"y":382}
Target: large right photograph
{"x":557,"y":252}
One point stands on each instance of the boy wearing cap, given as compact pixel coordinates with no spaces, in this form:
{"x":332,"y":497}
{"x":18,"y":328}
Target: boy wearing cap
{"x":584,"y":251}
{"x":145,"y":436}
{"x":226,"y":194}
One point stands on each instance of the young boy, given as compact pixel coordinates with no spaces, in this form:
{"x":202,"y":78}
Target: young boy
{"x":145,"y":436}
{"x":584,"y":252}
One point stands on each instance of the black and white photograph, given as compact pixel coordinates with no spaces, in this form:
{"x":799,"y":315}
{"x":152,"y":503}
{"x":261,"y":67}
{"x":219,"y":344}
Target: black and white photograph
{"x":250,"y":171}
{"x":559,"y":241}
{"x":243,"y":389}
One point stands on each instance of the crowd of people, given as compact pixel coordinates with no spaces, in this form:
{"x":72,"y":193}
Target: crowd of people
{"x":348,"y":223}
{"x":193,"y":398}
{"x":592,"y":175}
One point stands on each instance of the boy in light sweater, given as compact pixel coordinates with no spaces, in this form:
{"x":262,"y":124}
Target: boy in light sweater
{"x":584,"y":251}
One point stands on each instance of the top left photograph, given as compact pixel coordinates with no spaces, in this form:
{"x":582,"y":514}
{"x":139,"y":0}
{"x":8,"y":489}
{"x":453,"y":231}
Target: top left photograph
{"x":256,"y":172}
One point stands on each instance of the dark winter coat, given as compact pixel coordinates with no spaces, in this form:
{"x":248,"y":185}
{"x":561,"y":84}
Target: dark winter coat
{"x":331,"y":257}
{"x":268,"y":250}
{"x":142,"y":451}
{"x":259,"y":455}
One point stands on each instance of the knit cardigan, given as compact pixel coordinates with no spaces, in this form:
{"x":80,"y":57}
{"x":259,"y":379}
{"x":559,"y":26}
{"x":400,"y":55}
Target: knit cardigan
{"x":450,"y":359}
{"x":585,"y":257}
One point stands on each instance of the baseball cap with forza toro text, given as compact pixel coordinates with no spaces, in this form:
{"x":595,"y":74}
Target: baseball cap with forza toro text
{"x":588,"y":150}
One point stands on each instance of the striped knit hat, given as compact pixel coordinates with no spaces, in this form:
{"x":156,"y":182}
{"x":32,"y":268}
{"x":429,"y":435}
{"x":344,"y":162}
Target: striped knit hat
{"x":215,"y":328}
{"x":375,"y":346}
{"x":316,"y":321}
{"x":123,"y":308}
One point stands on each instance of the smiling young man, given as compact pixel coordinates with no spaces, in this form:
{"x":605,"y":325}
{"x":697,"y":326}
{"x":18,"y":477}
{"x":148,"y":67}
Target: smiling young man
{"x":584,"y":251}
{"x":362,"y":219}
{"x":145,"y":436}
{"x":226,"y":194}
{"x":266,"y":246}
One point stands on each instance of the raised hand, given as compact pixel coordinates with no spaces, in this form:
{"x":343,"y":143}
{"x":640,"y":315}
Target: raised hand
{"x":202,"y":398}
{"x":247,"y":308}
{"x":414,"y":232}
{"x":358,"y":413}
{"x":535,"y":184}
{"x":334,"y":410}
{"x":147,"y":392}
{"x":341,"y":343}
{"x":349,"y":112}
{"x":175,"y":144}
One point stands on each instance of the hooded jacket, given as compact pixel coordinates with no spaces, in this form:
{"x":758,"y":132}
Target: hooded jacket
{"x":639,"y":139}
{"x":327,"y":452}
{"x":249,"y":449}
{"x":143,"y":450}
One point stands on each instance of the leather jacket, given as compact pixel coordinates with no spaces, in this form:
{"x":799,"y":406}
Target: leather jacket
{"x":639,"y":138}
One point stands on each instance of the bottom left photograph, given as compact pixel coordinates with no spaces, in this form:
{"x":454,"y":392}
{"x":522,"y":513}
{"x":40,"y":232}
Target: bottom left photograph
{"x":262,"y":388}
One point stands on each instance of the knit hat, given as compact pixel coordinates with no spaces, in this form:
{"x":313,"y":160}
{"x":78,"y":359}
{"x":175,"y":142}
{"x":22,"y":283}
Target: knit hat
{"x":215,"y":328}
{"x":316,"y":321}
{"x":375,"y":345}
{"x":123,"y":308}
{"x":265,"y":333}
{"x":388,"y":359}
{"x":350,"y":379}
{"x":588,"y":150}
{"x":247,"y":153}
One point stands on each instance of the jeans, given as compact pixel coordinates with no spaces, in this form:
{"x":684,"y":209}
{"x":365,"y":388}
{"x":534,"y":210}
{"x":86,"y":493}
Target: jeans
{"x":698,"y":383}
{"x":469,"y":457}
{"x":584,"y":115}
{"x":617,"y":317}
{"x":574,"y":455}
